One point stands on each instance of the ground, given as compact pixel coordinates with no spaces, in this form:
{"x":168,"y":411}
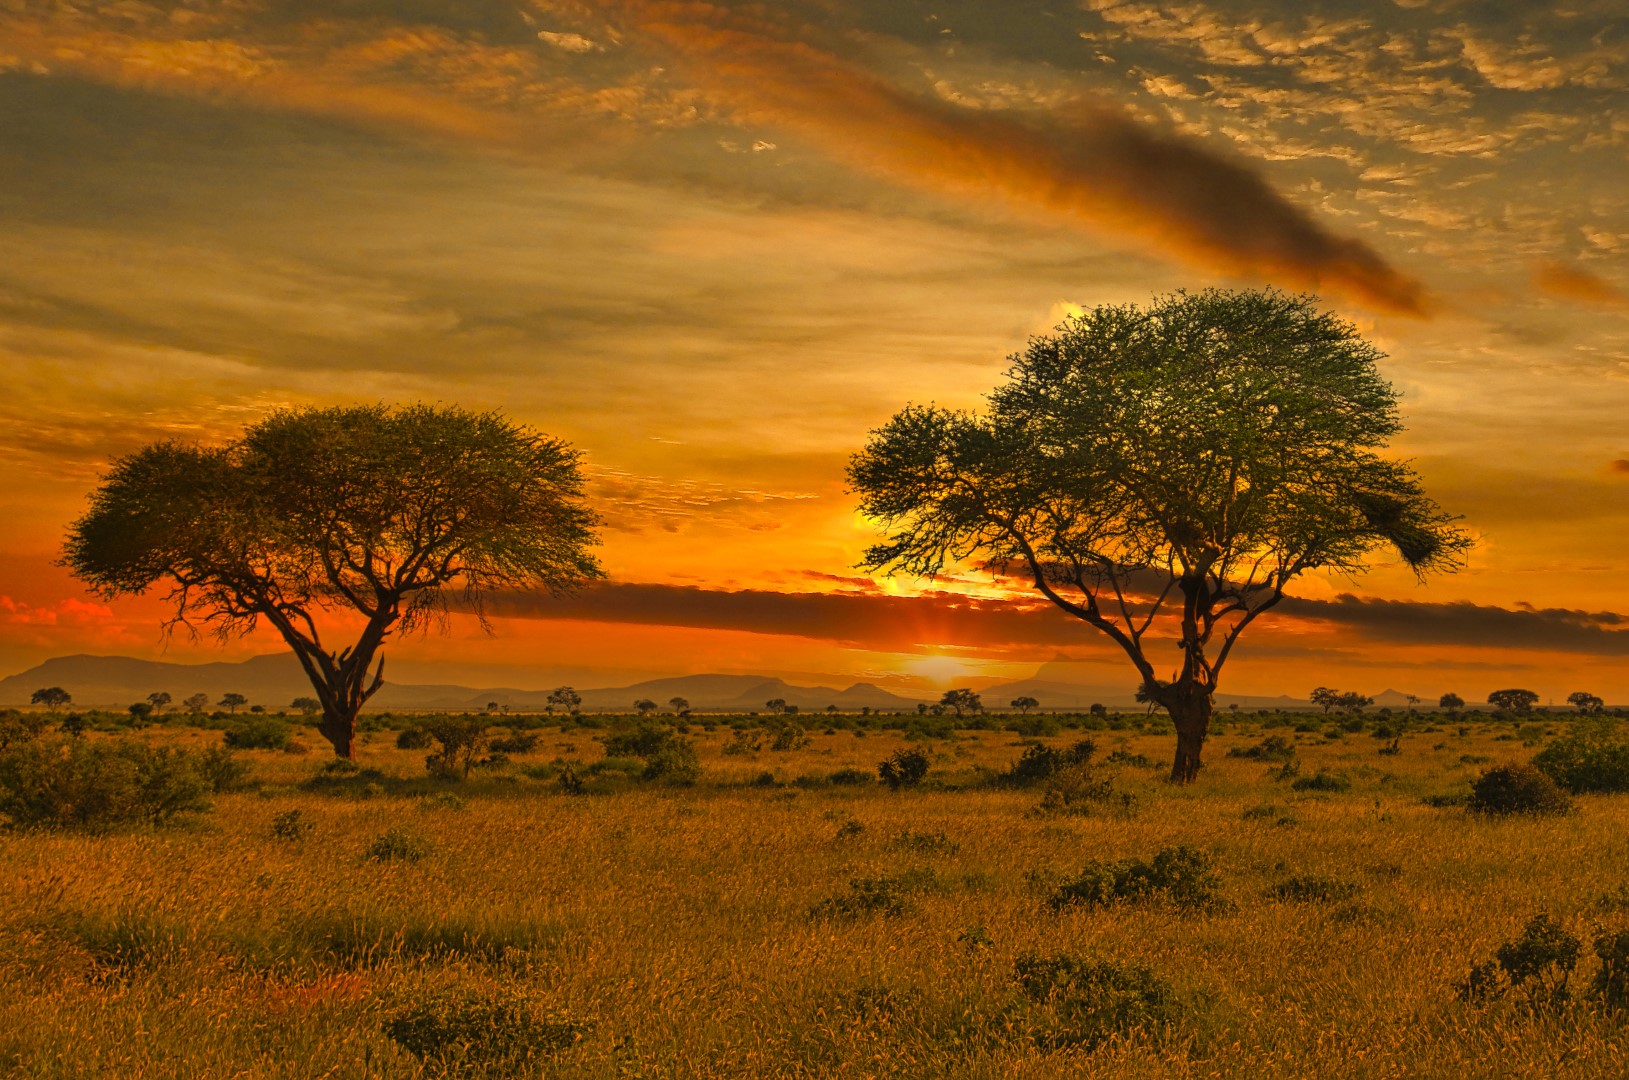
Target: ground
{"x":717,"y":930}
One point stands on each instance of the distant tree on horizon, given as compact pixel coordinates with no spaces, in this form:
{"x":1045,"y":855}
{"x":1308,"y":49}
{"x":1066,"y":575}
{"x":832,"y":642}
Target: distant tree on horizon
{"x":963,"y":701}
{"x":1452,"y":703}
{"x":1585,"y":702}
{"x":1202,"y":451}
{"x":158,"y":699}
{"x":1024,"y":703}
{"x":306,"y":705}
{"x":776,"y":705}
{"x":645,"y":706}
{"x":564,"y":697}
{"x":231,"y":701}
{"x":1353,"y":702}
{"x":679,"y":705}
{"x":197,"y":703}
{"x":1325,"y":698}
{"x":366,"y":512}
{"x":1516,"y":701}
{"x":52,"y":697}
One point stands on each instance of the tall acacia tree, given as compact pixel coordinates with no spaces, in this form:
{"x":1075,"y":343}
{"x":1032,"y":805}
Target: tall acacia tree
{"x":1163,"y":472}
{"x":368,"y":515}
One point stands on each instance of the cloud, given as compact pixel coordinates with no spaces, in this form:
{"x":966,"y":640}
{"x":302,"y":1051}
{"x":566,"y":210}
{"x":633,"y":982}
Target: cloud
{"x":1575,"y":283}
{"x":1098,"y":166}
{"x":866,"y":618}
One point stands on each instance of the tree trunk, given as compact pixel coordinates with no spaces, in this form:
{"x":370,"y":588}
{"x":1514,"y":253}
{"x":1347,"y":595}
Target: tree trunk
{"x":1191,"y":714}
{"x":341,"y":732}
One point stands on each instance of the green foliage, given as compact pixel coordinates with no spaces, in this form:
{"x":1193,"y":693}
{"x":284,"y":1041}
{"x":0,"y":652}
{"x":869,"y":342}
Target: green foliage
{"x":259,"y":733}
{"x":1538,"y":964}
{"x":851,"y":777}
{"x":1517,"y":789}
{"x":459,"y":1034}
{"x":20,"y":727}
{"x":904,"y":770}
{"x":1611,"y":983}
{"x":1593,"y":759}
{"x":413,"y":738}
{"x":292,"y":825}
{"x":98,"y":784}
{"x":673,"y":763}
{"x":396,"y":845}
{"x":1040,"y":764}
{"x":1181,"y":875}
{"x":514,"y":743}
{"x":889,"y":895}
{"x":789,"y":736}
{"x":1322,"y":780}
{"x":1516,"y":701}
{"x":1313,"y":889}
{"x":461,"y":739}
{"x":1272,"y":748}
{"x":221,"y":769}
{"x":644,"y":740}
{"x":1091,"y":1001}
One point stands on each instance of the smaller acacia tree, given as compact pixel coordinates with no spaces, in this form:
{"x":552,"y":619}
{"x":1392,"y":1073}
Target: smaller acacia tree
{"x":1325,"y":698}
{"x":308,"y":706}
{"x":1451,"y":703}
{"x":158,"y":700}
{"x":1585,"y":702}
{"x":645,"y":706}
{"x":52,"y":697}
{"x":679,"y":705}
{"x":371,"y":511}
{"x":196,"y":703}
{"x":564,"y":697}
{"x":962,"y":701}
{"x":233,"y":701}
{"x":1024,"y":703}
{"x":1519,"y":702}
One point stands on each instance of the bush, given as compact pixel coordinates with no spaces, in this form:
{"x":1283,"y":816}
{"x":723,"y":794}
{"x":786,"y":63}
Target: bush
{"x":1180,"y":874}
{"x":97,"y":785}
{"x":291,"y":825}
{"x":1092,"y":1001}
{"x":1272,"y":748}
{"x":1517,"y":789}
{"x":850,"y":777}
{"x":904,"y":770}
{"x":394,"y":845}
{"x":1322,"y":780}
{"x":1313,"y":889}
{"x":645,"y":740}
{"x":464,"y":1034}
{"x":259,"y":733}
{"x":674,"y":763}
{"x":1587,"y":761}
{"x":221,"y":769}
{"x":413,"y":738}
{"x":1039,"y":763}
{"x":461,"y":739}
{"x":516,"y":743}
{"x":1611,"y":984}
{"x":877,"y":896}
{"x":20,"y":727}
{"x":1539,"y":964}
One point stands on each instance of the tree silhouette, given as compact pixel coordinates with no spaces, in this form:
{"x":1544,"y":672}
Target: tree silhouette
{"x":645,"y":706}
{"x":307,"y":705}
{"x":1324,"y":698}
{"x":962,"y":701}
{"x":52,"y":697}
{"x":679,"y":705}
{"x":158,"y":700}
{"x":564,"y":697}
{"x":1452,"y":703}
{"x":197,"y":703}
{"x":1513,"y":701}
{"x":1024,"y":703}
{"x":776,"y":705}
{"x":1174,"y":466}
{"x":368,"y":510}
{"x":231,"y":701}
{"x":1585,"y":702}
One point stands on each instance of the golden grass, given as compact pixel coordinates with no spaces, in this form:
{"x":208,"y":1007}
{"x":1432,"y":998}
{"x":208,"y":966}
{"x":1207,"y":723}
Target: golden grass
{"x":675,"y":924}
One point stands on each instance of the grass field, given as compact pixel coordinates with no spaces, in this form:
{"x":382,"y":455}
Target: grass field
{"x":743,"y":928}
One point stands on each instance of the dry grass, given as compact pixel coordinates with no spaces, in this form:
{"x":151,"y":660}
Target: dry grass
{"x":676,"y":932}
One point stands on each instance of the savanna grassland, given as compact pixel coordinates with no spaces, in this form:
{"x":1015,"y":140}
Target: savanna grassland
{"x":765,"y":921}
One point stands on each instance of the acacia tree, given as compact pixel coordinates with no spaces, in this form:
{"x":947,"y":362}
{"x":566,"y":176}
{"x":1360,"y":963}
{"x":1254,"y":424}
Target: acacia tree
{"x":564,"y":697}
{"x":1325,"y":697}
{"x":1451,"y":702}
{"x":1024,"y":703}
{"x":1166,"y":470}
{"x":52,"y":697}
{"x":963,"y":701}
{"x":1586,"y":702}
{"x":1516,"y":701}
{"x":367,"y":513}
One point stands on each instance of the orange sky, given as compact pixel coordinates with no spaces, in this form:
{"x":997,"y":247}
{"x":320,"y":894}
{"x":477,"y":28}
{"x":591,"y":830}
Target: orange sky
{"x":714,"y":244}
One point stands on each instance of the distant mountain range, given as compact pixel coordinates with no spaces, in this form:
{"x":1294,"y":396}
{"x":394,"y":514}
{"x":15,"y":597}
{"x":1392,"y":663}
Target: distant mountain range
{"x":275,"y":680}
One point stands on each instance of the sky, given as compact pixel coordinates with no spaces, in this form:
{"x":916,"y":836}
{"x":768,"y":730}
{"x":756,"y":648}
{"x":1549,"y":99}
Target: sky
{"x":714,"y":244}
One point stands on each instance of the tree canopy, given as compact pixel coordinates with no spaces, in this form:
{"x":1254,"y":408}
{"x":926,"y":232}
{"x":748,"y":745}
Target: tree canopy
{"x":369,"y":509}
{"x":1167,"y":469}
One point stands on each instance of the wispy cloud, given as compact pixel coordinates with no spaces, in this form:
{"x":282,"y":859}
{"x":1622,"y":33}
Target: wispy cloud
{"x":1571,"y":282}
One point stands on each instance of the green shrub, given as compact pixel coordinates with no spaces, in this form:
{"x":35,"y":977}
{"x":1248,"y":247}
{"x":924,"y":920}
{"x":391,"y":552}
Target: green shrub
{"x":259,"y":733}
{"x":461,"y":739}
{"x":850,"y":777}
{"x":221,"y":769}
{"x":789,"y":736}
{"x":1587,"y":761}
{"x":292,"y":825}
{"x":887,"y":896}
{"x":394,"y":845}
{"x":1272,"y":748}
{"x":1611,"y":984}
{"x":1322,"y":780}
{"x":458,"y":1034}
{"x":1517,"y":789}
{"x":20,"y":727}
{"x":1091,"y":1001}
{"x":904,"y":770}
{"x":1179,"y":874}
{"x":98,"y":784}
{"x":1039,"y":763}
{"x":1313,"y":889}
{"x":515,"y":743}
{"x":1539,"y":965}
{"x":644,"y":740}
{"x":413,"y":738}
{"x":674,"y":763}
